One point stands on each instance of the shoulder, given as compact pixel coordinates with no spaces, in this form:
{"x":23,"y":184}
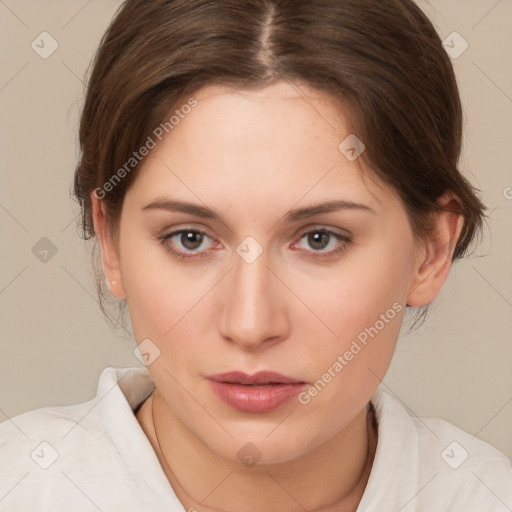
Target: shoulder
{"x":469,"y":470}
{"x":431,"y":464}
{"x":45,"y":422}
{"x":38,"y":435}
{"x":51,"y":454}
{"x":119,"y":387}
{"x":39,"y":451}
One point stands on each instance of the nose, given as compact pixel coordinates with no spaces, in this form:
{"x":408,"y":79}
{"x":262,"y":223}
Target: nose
{"x":253,"y":313}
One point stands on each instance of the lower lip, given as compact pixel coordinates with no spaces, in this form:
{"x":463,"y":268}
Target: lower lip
{"x":255,"y":398}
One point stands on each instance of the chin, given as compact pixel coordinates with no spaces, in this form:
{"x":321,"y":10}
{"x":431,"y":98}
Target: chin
{"x":262,"y":448}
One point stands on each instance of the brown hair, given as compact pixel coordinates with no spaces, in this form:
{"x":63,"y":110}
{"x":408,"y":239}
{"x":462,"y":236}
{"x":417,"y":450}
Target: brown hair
{"x":383,"y":57}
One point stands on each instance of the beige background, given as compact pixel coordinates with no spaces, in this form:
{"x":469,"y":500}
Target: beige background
{"x":54,"y":340}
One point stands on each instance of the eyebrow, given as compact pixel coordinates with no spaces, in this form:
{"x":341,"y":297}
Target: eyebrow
{"x":292,"y":215}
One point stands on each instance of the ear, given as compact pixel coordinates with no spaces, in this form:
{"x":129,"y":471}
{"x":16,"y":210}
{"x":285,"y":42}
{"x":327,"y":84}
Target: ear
{"x":434,"y":256}
{"x":109,"y":255}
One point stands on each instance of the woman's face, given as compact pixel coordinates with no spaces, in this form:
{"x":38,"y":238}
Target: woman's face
{"x":251,"y":274}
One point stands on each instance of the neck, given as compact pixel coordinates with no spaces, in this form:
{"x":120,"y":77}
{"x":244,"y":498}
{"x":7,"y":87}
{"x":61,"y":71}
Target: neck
{"x":330,"y":478}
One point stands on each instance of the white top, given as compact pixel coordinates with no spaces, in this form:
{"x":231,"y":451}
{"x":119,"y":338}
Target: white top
{"x":95,"y":456}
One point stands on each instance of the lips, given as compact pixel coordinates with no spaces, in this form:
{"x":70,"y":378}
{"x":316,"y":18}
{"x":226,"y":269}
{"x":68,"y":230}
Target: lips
{"x":260,"y":378}
{"x":264,"y":391}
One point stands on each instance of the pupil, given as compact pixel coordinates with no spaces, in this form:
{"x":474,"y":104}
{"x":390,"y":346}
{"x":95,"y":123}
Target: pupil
{"x":191,"y":240}
{"x":316,"y":240}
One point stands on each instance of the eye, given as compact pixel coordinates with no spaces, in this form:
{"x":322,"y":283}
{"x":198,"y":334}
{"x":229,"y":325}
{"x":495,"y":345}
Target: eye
{"x":321,"y":239}
{"x":189,"y":243}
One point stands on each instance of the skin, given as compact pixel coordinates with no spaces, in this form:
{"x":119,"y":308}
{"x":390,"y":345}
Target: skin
{"x":252,"y":156}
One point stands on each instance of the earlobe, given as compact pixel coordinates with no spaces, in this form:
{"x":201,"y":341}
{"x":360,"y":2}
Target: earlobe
{"x":109,"y":256}
{"x":435,"y":254}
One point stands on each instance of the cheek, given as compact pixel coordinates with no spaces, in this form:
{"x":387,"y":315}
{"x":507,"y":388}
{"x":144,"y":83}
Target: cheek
{"x":159,"y":292}
{"x":363,"y":302}
{"x":353,"y":294}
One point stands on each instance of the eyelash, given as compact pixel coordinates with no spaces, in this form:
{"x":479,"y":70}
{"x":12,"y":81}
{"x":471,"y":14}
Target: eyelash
{"x":323,"y":255}
{"x":316,"y":255}
{"x":180,"y":255}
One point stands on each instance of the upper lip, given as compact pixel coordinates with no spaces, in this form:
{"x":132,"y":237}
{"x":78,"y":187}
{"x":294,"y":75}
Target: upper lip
{"x":262,"y":377}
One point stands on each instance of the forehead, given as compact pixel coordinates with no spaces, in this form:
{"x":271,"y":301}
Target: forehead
{"x":261,"y":110}
{"x":278,"y":143}
{"x":277,"y":91}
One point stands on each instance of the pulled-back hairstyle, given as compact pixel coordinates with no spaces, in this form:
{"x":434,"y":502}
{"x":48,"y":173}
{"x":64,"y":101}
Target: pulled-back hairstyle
{"x":383,"y":58}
